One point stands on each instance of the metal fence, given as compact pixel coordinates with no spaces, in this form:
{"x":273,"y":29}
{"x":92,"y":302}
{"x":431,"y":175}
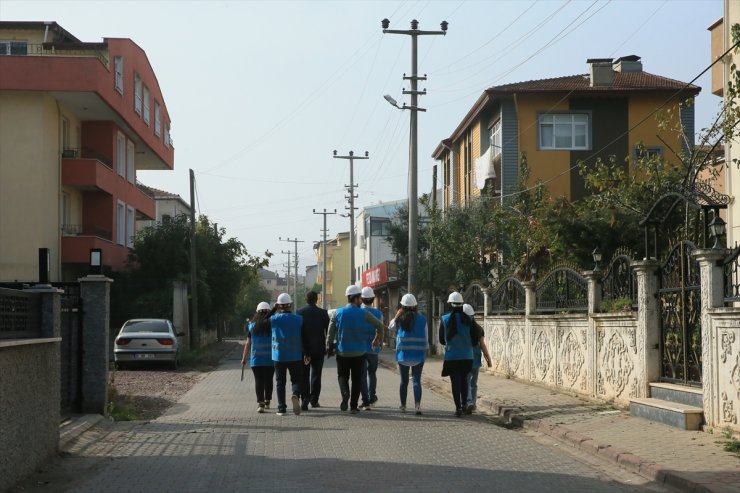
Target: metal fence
{"x":19,"y":314}
{"x":732,"y":277}
{"x":508,"y":297}
{"x":619,"y":281}
{"x":562,"y":290}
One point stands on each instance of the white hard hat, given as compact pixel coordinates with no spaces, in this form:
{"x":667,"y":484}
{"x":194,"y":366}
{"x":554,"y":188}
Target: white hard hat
{"x":408,"y":300}
{"x":353,"y":290}
{"x":468,"y":310}
{"x":284,"y":299}
{"x":368,"y":292}
{"x":263,"y":306}
{"x":455,"y":298}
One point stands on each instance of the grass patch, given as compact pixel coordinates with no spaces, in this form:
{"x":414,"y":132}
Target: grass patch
{"x":207,"y":357}
{"x":119,"y":408}
{"x":732,"y":446}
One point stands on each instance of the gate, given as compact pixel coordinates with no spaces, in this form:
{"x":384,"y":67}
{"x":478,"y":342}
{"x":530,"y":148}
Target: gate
{"x":71,"y":348}
{"x":680,"y":316}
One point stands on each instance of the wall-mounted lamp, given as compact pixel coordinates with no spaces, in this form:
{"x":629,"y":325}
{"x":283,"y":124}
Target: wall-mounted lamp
{"x":717,"y":231}
{"x":44,"y":263}
{"x":597,"y":258}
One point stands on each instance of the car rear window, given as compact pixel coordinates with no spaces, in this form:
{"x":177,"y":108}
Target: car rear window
{"x":146,"y":326}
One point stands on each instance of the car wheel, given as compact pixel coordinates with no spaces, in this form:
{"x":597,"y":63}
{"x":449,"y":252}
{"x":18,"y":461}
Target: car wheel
{"x":118,"y":366}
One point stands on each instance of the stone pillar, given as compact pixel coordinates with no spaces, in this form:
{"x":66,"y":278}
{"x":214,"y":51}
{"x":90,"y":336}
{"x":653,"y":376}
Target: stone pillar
{"x":95,"y":294}
{"x":530,"y":298}
{"x":712,"y":275}
{"x":486,"y":302}
{"x":50,"y":309}
{"x":648,"y":325}
{"x":594,"y":289}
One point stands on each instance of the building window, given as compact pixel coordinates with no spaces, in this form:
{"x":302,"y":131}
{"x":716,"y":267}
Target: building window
{"x":130,"y":227}
{"x":147,"y":116}
{"x":496,"y":139}
{"x":648,"y":153}
{"x":65,"y":210}
{"x":157,"y":120}
{"x":118,"y":64}
{"x":121,"y":224}
{"x":121,"y":154}
{"x":65,"y":133}
{"x":167,"y":135}
{"x":130,"y":165}
{"x":13,"y":47}
{"x":137,"y":93}
{"x":468,"y":167}
{"x":166,"y":219}
{"x":380,"y":227}
{"x":564,"y":131}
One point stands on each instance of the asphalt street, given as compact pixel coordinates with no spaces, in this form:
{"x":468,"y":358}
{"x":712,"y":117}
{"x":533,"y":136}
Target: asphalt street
{"x":214,"y":440}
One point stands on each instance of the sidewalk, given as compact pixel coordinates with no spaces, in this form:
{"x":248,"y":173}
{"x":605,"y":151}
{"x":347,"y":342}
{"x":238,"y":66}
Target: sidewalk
{"x":691,"y":461}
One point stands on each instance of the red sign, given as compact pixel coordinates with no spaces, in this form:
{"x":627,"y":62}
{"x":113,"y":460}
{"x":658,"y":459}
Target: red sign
{"x":375,"y":275}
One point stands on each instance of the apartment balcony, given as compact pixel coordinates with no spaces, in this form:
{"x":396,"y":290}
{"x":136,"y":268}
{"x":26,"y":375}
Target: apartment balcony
{"x":88,"y":170}
{"x":94,"y":50}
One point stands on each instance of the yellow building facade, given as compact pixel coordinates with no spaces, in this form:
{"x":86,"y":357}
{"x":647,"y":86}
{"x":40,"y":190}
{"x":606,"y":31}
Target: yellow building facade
{"x":337,"y":270}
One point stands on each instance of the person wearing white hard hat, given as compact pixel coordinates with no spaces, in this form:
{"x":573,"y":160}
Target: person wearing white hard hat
{"x":288,"y":355}
{"x":370,"y":366}
{"x":347,"y":335}
{"x":478,"y":350}
{"x":412,"y":343}
{"x":258,"y":344}
{"x":458,"y":335}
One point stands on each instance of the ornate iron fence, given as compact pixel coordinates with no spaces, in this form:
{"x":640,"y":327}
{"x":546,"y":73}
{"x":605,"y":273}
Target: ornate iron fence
{"x":19,"y":314}
{"x":474,"y":297}
{"x":732,"y":277}
{"x":619,"y":280}
{"x":508,"y":297}
{"x":562,"y":289}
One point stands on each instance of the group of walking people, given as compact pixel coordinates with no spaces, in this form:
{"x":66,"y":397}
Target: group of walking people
{"x":282,"y":344}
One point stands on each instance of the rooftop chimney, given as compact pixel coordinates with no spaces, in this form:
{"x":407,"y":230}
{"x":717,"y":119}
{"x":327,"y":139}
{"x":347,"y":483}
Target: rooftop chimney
{"x":630,"y":63}
{"x":600,"y":70}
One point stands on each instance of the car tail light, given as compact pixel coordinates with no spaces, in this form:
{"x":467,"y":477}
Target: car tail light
{"x":122,"y":341}
{"x":165,"y":342}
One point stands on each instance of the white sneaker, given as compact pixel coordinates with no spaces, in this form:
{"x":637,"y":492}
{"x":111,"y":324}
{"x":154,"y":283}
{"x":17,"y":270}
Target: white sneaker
{"x":403,"y":409}
{"x":418,"y":409}
{"x":261,"y":408}
{"x":267,"y":404}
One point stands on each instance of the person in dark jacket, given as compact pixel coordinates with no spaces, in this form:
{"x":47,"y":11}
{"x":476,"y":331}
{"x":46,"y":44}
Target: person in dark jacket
{"x":315,"y":325}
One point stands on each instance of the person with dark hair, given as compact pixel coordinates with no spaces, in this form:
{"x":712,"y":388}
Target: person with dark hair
{"x":411,"y":348}
{"x":458,"y":335}
{"x":315,"y":325}
{"x":259,"y":337}
{"x":348,"y":334}
{"x":478,"y":350}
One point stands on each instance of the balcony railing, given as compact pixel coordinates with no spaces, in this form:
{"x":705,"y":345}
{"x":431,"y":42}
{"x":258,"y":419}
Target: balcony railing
{"x":86,"y":153}
{"x":80,"y":230}
{"x":48,"y":49}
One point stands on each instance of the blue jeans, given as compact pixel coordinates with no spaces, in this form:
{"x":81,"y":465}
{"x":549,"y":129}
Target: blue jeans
{"x":416,"y":381}
{"x":295,"y":369}
{"x":369,"y":377}
{"x":473,"y":386}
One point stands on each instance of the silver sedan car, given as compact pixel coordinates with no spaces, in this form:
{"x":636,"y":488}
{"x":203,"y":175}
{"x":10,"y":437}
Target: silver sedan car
{"x":146,"y":340}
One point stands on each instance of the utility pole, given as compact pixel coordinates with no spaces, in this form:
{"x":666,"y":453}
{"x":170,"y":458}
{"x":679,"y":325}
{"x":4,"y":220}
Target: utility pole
{"x":323,"y":274}
{"x":295,"y":241}
{"x":351,"y":156}
{"x":194,"y":334}
{"x":414,"y":32}
{"x":287,"y":279}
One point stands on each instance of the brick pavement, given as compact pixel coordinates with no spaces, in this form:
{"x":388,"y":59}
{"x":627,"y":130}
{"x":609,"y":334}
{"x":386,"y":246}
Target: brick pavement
{"x":689,"y":460}
{"x":213,"y":440}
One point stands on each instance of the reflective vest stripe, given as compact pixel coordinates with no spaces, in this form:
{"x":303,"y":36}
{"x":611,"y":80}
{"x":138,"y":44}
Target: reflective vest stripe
{"x":411,"y":344}
{"x":352,"y":333}
{"x":261,"y":353}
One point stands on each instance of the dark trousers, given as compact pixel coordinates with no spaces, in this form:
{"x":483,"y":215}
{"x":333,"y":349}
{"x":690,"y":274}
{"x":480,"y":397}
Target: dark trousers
{"x":295,"y":369}
{"x":369,"y":377}
{"x":263,"y":382}
{"x":311,"y":386}
{"x":350,"y":369}
{"x":459,"y":381}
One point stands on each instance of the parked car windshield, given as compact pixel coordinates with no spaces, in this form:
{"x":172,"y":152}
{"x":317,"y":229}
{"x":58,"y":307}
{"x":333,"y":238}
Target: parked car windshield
{"x":146,"y":326}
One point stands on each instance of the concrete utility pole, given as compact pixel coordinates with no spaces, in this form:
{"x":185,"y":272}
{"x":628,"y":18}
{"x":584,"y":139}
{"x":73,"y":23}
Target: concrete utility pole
{"x":414,"y":32}
{"x":287,"y":279}
{"x":351,"y":156}
{"x":295,"y":271}
{"x":323,"y":273}
{"x":194,"y":334}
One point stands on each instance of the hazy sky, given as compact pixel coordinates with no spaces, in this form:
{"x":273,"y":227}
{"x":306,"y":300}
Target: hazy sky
{"x":260,"y":93}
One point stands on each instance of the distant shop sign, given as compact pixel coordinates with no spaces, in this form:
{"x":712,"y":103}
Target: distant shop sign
{"x":377,"y":275}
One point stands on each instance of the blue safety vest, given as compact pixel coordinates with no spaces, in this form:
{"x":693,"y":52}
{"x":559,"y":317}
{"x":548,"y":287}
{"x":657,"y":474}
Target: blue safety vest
{"x":477,"y":353}
{"x":286,"y":337}
{"x":261,"y":354}
{"x":371,"y":328}
{"x":460,"y":346}
{"x":351,"y":329}
{"x":411,"y":344}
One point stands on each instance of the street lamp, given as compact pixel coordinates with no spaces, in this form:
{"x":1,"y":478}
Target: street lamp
{"x":414,"y":32}
{"x":597,"y":258}
{"x":717,"y":231}
{"x":533,"y":271}
{"x":96,"y":261}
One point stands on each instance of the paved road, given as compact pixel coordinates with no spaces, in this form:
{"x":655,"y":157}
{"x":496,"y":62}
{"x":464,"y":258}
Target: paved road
{"x":213,"y":440}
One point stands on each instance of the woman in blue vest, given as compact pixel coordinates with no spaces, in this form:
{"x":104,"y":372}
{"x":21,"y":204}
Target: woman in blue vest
{"x":478,"y":351}
{"x":457,"y":335}
{"x":259,"y":338}
{"x":411,"y":348}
